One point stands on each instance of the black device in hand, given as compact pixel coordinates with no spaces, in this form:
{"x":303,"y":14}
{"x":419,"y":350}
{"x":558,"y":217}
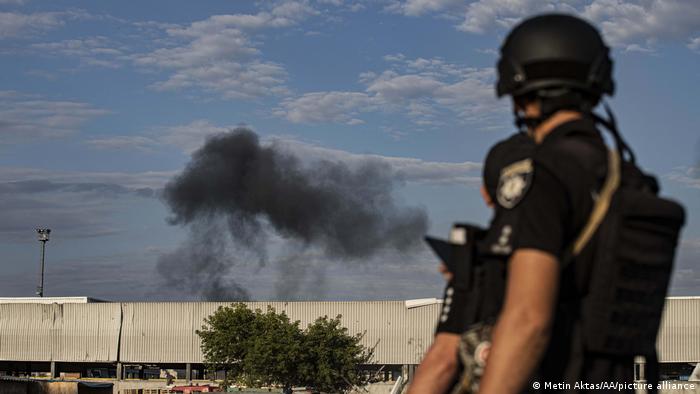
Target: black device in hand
{"x":458,"y":252}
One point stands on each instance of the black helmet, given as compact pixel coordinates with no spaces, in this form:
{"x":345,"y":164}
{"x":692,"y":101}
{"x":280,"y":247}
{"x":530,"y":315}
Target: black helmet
{"x":554,"y":51}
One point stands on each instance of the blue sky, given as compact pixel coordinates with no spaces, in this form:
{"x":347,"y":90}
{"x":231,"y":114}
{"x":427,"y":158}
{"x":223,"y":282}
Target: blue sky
{"x":101,"y":103}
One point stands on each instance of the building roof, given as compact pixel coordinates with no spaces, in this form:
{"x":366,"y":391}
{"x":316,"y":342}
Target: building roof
{"x":48,"y":300}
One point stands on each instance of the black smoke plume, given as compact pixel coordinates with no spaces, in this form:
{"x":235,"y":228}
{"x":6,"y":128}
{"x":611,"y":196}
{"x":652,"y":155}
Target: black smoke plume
{"x":201,"y":264}
{"x":346,"y":213}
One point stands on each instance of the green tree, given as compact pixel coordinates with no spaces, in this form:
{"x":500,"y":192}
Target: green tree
{"x":226,"y":336}
{"x":332,"y":356}
{"x":267,"y":348}
{"x":274,"y":351}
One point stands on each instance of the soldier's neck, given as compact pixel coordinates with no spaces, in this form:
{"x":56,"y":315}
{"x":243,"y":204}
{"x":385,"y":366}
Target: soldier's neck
{"x":554,"y":121}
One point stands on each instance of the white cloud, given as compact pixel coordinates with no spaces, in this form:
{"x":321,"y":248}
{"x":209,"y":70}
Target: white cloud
{"x":398,"y":57}
{"x":480,"y":15}
{"x":95,"y":51}
{"x":487,"y":51}
{"x":472,"y":99}
{"x":133,"y":181}
{"x":408,"y":169}
{"x":422,"y":89}
{"x":25,"y":117}
{"x":638,"y":48}
{"x":686,"y":277}
{"x":485,"y":14}
{"x":187,"y":137}
{"x":191,"y":136}
{"x":123,"y":142}
{"x":694,"y":43}
{"x":686,"y":176}
{"x":336,"y":3}
{"x":356,"y":7}
{"x":629,"y":24}
{"x":339,"y":107}
{"x":79,"y":204}
{"x":13,"y":24}
{"x":51,"y":76}
{"x":422,"y":7}
{"x":693,"y":243}
{"x":217,"y":54}
{"x":283,"y":14}
{"x":393,"y":87}
{"x":148,"y":26}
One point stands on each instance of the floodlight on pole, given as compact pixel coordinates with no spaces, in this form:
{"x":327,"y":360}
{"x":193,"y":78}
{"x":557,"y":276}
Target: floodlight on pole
{"x":43,"y":234}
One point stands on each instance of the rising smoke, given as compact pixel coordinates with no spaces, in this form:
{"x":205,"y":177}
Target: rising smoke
{"x":256,"y":191}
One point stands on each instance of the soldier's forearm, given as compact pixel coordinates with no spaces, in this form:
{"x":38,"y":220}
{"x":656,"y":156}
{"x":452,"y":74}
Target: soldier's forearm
{"x":438,"y":368}
{"x":522,"y":332}
{"x":518,"y":344}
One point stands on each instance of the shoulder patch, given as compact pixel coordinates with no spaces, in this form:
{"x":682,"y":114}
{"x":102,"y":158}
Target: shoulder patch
{"x":514,"y":183}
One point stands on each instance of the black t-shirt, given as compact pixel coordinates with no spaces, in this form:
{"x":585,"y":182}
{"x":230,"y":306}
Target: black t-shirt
{"x":543,"y":203}
{"x":517,"y":147}
{"x":459,"y":310}
{"x":548,"y":199}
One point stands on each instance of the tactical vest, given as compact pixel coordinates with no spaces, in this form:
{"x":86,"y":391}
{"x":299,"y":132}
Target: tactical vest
{"x":635,"y":247}
{"x":629,"y":242}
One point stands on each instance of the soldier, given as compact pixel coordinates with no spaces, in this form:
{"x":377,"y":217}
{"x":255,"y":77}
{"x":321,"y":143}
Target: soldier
{"x":439,"y":368}
{"x":556,"y":68}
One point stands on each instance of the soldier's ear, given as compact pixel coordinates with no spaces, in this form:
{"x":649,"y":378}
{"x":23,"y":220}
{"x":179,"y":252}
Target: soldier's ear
{"x":518,"y":104}
{"x":486,"y":196}
{"x":528,"y":104}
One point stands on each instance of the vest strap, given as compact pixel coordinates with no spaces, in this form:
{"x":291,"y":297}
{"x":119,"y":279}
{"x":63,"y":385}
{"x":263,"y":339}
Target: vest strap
{"x":602,"y":203}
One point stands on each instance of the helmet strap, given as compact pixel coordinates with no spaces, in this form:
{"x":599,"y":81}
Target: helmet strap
{"x":526,"y":123}
{"x":552,"y":101}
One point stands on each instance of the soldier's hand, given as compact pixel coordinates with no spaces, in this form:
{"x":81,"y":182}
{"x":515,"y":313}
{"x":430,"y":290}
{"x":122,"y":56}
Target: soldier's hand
{"x":445,"y":272}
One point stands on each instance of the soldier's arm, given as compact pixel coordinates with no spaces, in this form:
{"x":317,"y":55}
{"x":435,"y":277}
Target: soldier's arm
{"x":522,"y":331}
{"x":439,"y":366}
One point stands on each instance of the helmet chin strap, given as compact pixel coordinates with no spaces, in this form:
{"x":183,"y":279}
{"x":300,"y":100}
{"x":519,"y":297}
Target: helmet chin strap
{"x":551,"y":101}
{"x":526,"y":123}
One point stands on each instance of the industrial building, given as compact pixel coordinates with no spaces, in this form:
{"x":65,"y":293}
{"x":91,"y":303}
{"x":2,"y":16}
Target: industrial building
{"x":82,"y":337}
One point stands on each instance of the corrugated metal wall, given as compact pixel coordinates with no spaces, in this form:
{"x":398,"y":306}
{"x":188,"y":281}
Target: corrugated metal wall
{"x":165,"y":332}
{"x":59,"y":332}
{"x":679,"y":334}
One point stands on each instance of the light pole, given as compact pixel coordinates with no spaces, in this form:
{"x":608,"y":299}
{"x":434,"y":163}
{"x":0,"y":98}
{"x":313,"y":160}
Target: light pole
{"x":43,"y":238}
